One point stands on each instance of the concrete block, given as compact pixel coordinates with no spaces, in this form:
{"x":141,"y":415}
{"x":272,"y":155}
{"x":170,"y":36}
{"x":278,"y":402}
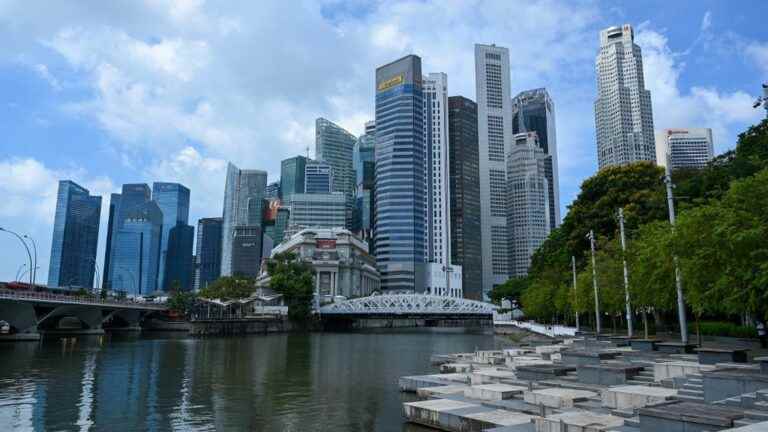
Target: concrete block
{"x":678,"y":368}
{"x":490,"y":376}
{"x":516,"y":352}
{"x":724,"y":383}
{"x":458,"y":416}
{"x":635,"y":396}
{"x":644,"y":344}
{"x":549,"y":349}
{"x":426,"y":392}
{"x":487,"y":356}
{"x":577,"y":421}
{"x":755,"y":427}
{"x":712,"y":356}
{"x":687,"y":417}
{"x":455,"y":368}
{"x":452,"y":377}
{"x":493,"y":392}
{"x":578,"y":358}
{"x":675,"y":348}
{"x":501,"y":417}
{"x":526,"y":361}
{"x":539,"y":372}
{"x":607,"y":374}
{"x":557,"y":397}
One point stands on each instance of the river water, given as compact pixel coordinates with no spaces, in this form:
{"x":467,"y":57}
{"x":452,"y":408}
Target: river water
{"x":281,"y":382}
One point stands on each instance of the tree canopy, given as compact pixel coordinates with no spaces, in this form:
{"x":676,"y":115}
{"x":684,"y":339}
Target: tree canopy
{"x":229,"y":288}
{"x":293,"y":279}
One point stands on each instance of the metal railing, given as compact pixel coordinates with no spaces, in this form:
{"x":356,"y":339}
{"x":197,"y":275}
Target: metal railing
{"x":66,"y":299}
{"x":401,"y":304}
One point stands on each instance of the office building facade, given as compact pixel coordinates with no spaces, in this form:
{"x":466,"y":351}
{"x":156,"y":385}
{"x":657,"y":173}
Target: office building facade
{"x":316,"y":211}
{"x":687,"y":148}
{"x":464,"y":155}
{"x":364,"y":162}
{"x":131,"y":197}
{"x":75,"y":237}
{"x":442,"y":277}
{"x":208,"y":252}
{"x":136,"y":257}
{"x":494,"y":124}
{"x":318,"y":177}
{"x":527,"y":201}
{"x":243,"y":200}
{"x":534,"y":111}
{"x":273,"y":190}
{"x":623,"y":115}
{"x":335,"y":145}
{"x":400,"y":189}
{"x":173,"y":200}
{"x":292,"y":175}
{"x":246,"y":250}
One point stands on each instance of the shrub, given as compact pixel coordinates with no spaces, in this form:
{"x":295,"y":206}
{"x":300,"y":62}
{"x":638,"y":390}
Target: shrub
{"x":720,"y":328}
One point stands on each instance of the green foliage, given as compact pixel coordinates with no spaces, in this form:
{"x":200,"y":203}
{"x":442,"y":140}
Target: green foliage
{"x":719,"y":328}
{"x":719,"y":240}
{"x":181,"y":302}
{"x":293,"y":279}
{"x":228,"y":288}
{"x":512,"y":289}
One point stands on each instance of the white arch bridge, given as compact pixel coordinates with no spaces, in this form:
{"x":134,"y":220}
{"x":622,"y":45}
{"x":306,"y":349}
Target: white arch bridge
{"x":409,"y":306}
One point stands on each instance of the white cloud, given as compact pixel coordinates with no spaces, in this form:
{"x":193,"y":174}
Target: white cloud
{"x":45,"y":74}
{"x":674,"y":107}
{"x":758,"y":53}
{"x":706,"y":21}
{"x":29,"y":188}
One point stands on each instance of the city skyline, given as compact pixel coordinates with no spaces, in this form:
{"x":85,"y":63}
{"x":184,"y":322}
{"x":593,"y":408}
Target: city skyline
{"x":655,"y":42}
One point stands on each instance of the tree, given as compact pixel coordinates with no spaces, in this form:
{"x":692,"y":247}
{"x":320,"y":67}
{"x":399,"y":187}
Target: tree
{"x":229,"y":288}
{"x":181,"y":302}
{"x":512,"y":289}
{"x":293,"y":279}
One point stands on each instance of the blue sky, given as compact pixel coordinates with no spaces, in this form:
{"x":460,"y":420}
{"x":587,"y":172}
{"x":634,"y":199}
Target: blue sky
{"x":168,"y":90}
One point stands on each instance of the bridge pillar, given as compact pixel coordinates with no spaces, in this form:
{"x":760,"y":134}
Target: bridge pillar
{"x":89,"y":316}
{"x":130,"y":318}
{"x":21,"y":317}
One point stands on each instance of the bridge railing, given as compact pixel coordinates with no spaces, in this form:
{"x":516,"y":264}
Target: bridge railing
{"x":59,"y":298}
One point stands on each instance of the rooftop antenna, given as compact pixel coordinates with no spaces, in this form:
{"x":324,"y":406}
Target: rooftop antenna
{"x":307,"y":152}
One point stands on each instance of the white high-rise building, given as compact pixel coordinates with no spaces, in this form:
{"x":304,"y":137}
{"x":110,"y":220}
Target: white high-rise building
{"x":494,"y":127}
{"x":528,"y":202}
{"x":442,"y":278}
{"x":687,"y":148}
{"x":623,"y":116}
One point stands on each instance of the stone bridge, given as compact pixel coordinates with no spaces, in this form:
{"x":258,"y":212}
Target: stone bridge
{"x":30,"y":313}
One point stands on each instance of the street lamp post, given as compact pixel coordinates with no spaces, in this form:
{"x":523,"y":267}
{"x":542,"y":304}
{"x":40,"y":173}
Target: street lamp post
{"x":630,"y":330}
{"x":594,"y":282}
{"x":18,"y":272}
{"x":34,"y":247}
{"x":573,"y":268}
{"x":26,"y":247}
{"x":678,"y":276}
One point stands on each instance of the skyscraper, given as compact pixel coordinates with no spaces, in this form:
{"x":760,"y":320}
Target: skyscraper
{"x":136,"y":257}
{"x":208,"y":253}
{"x":335,"y":145}
{"x":527,"y":201}
{"x":364,"y":162}
{"x":318,"y":177}
{"x":246,"y":250}
{"x":494,"y":124}
{"x":623,"y":116}
{"x":465,"y":194}
{"x":75,"y":236}
{"x":401,"y":193}
{"x":132,"y":195}
{"x":292,"y":176}
{"x":173,"y":200}
{"x":243,"y":199}
{"x":688,"y":148}
{"x":533,"y":111}
{"x":437,"y":214}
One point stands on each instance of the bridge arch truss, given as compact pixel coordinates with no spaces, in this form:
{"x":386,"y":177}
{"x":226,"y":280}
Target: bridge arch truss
{"x":417,"y":305}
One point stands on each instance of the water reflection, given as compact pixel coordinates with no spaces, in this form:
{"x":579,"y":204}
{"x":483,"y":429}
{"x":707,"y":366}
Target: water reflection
{"x":287,"y":382}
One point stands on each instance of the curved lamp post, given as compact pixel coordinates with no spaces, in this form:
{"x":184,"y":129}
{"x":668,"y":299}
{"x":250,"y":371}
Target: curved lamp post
{"x":35,"y":267}
{"x":18,"y":272}
{"x":29,"y":255}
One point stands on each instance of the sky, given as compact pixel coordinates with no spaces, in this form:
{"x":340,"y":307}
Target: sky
{"x":106,"y":93}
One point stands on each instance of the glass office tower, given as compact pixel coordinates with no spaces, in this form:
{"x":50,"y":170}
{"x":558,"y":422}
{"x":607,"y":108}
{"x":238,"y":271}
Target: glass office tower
{"x":533,"y":111}
{"x":132,"y":196}
{"x":400,"y":195}
{"x":292,"y":176}
{"x":243,"y":201}
{"x":364,"y":162}
{"x":136,"y":255}
{"x":176,"y":250}
{"x":208,"y":252}
{"x":464,"y":159}
{"x":318,"y":177}
{"x":75,"y":236}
